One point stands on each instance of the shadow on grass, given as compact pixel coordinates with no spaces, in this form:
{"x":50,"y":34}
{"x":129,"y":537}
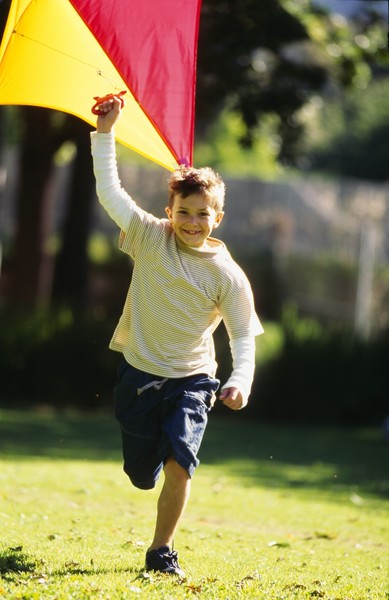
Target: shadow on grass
{"x":14,"y":562}
{"x":58,"y":435}
{"x":322,"y":458}
{"x":258,"y":453}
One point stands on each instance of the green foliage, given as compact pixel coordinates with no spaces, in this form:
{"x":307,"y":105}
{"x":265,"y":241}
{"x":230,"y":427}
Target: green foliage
{"x":350,"y":136}
{"x":53,"y":358}
{"x":221,"y":148}
{"x":323,"y":375}
{"x":274,"y":57}
{"x":269,"y":346}
{"x":275,"y":512}
{"x":59,"y":360}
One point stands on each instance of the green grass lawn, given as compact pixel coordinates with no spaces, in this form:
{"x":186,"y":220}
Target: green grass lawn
{"x":276,"y":512}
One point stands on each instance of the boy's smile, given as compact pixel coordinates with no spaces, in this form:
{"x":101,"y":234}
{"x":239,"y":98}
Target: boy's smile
{"x":193,"y":219}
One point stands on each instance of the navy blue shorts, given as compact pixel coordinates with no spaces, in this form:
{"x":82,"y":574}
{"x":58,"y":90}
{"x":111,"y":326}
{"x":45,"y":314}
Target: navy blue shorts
{"x":161,"y":418}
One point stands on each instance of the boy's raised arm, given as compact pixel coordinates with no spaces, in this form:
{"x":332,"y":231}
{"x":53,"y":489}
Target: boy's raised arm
{"x":111,"y":195}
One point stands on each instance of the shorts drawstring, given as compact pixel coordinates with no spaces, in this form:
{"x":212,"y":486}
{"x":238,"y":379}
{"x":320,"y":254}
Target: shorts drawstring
{"x":155,"y":384}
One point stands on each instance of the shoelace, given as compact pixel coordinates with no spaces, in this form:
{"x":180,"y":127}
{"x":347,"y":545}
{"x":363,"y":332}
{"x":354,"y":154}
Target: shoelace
{"x":169,"y":554}
{"x":172,"y":557}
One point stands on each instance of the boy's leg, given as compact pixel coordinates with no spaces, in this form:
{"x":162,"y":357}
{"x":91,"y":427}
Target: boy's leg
{"x":171,"y":503}
{"x":183,"y":426}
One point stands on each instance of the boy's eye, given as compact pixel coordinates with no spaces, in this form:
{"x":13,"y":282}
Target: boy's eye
{"x":184,"y":211}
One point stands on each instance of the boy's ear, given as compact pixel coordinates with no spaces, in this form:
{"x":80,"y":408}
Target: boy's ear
{"x":168,"y":211}
{"x":218,"y":219}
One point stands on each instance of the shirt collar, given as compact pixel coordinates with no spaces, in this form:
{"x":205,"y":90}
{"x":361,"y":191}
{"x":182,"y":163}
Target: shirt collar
{"x":215,"y":246}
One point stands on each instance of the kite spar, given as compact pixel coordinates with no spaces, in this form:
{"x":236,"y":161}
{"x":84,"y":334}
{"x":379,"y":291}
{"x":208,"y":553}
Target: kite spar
{"x":61,"y":54}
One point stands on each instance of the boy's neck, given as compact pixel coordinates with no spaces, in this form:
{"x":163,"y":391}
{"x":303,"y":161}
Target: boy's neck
{"x":211,"y":247}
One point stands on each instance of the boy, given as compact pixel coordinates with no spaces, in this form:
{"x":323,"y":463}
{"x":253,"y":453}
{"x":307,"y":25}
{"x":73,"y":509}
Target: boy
{"x":184,"y":283}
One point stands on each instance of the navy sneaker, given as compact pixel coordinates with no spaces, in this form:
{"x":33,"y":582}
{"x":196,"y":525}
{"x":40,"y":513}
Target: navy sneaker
{"x":163,"y":560}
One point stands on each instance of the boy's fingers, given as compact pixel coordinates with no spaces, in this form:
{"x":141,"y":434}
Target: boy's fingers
{"x":107,"y":114}
{"x":113,"y":104}
{"x":232,"y":398}
{"x":231,"y":393}
{"x":109,"y":105}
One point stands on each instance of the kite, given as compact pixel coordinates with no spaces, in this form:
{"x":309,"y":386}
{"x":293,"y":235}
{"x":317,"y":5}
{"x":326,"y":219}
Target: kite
{"x":63,"y":54}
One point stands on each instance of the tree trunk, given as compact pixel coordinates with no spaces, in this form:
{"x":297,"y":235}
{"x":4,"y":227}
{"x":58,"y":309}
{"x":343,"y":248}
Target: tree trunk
{"x":31,"y":218}
{"x":71,"y":271}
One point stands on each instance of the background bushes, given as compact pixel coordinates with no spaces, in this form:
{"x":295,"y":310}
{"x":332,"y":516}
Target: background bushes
{"x":56,"y":359}
{"x":306,"y":372}
{"x":323,"y":376}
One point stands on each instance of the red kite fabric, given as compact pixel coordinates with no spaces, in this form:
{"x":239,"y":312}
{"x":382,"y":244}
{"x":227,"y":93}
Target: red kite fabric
{"x":147,"y":46}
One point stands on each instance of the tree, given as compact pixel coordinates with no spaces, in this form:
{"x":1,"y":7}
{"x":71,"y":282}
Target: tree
{"x":37,"y":149}
{"x":44,"y":132}
{"x":256,"y":57}
{"x":71,"y":271}
{"x":243,"y":63}
{"x":272,"y":56}
{"x":354,"y":140}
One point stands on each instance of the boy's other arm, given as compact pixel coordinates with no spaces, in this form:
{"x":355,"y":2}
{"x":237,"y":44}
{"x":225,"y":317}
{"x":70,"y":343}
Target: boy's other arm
{"x":236,"y":390}
{"x":242,"y":324}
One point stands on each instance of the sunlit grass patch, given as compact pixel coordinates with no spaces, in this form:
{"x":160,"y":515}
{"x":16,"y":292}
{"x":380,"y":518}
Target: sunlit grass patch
{"x":266,"y":518}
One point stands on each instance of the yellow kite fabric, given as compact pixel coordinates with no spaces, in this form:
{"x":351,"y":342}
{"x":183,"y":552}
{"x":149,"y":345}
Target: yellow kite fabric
{"x":61,"y":54}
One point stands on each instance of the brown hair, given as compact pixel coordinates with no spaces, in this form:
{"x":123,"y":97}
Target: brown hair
{"x":185,"y":181}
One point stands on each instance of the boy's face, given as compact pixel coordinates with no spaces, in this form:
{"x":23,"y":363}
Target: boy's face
{"x":193,"y":219}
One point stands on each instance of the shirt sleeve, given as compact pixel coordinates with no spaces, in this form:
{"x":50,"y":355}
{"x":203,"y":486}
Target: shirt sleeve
{"x":243,"y":361}
{"x":243,"y":325}
{"x":110,"y":193}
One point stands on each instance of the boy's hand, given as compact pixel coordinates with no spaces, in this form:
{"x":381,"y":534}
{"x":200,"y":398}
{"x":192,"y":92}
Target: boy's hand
{"x":110,"y":113}
{"x":232,"y":398}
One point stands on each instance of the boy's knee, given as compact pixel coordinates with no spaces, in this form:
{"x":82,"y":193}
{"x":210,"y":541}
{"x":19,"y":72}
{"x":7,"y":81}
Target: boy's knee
{"x":142,"y":479}
{"x":141,"y":485}
{"x":174,"y":470}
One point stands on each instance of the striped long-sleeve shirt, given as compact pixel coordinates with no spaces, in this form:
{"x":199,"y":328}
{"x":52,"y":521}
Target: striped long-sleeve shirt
{"x":178,"y":295}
